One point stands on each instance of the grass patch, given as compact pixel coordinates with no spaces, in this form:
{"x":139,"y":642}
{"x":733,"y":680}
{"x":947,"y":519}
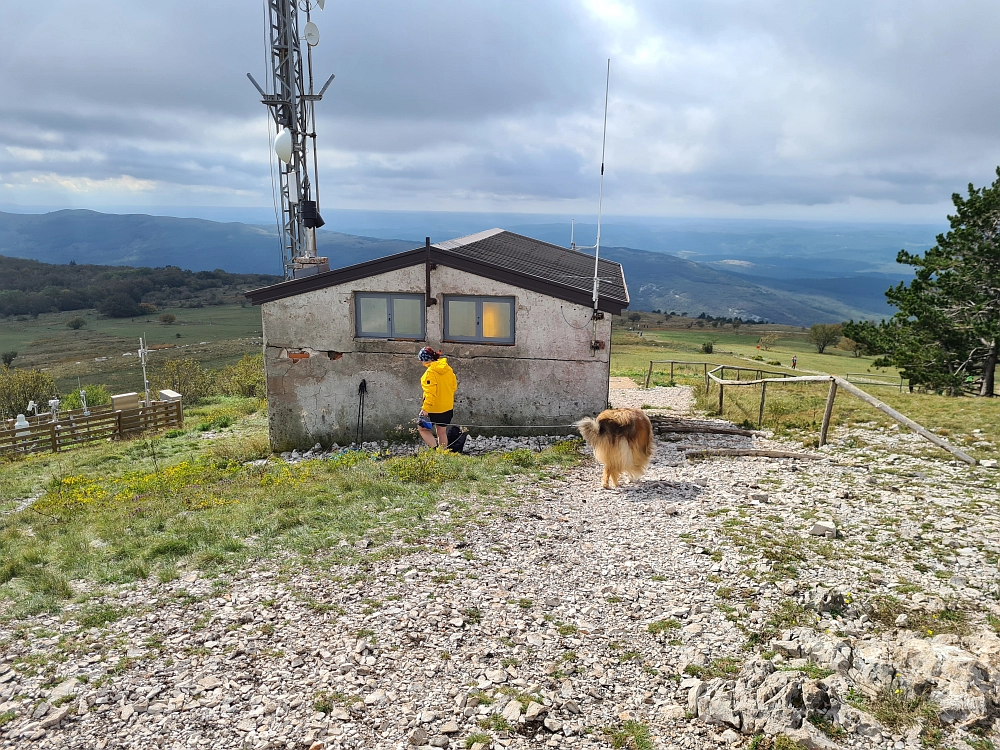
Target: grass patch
{"x":726,"y":667}
{"x":658,"y":627}
{"x":495,"y":723}
{"x":778,"y":742}
{"x":885,"y":609}
{"x":632,"y":735}
{"x":99,"y":615}
{"x":477,"y":738}
{"x":109,"y":515}
{"x":827,"y":727}
{"x":897,"y":708}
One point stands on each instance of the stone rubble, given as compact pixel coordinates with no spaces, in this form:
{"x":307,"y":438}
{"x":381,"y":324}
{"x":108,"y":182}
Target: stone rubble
{"x":700,"y":601}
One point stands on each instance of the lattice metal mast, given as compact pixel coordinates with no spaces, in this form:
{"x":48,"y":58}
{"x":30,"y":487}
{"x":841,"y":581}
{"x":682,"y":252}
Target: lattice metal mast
{"x":292,"y":105}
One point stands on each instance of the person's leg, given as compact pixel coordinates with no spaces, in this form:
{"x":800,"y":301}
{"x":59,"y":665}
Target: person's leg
{"x":428,"y":437}
{"x":442,"y":435}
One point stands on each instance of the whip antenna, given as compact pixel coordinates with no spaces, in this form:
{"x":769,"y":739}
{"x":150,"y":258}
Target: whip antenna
{"x":600,"y":204}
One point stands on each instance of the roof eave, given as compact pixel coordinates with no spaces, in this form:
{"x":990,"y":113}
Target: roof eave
{"x":418,"y":255}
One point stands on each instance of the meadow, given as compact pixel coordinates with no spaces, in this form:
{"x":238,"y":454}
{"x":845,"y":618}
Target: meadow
{"x":795,"y":410}
{"x":160,"y":505}
{"x":104,"y":349}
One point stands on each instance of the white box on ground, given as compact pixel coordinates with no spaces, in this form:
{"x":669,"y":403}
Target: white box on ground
{"x":168,"y":395}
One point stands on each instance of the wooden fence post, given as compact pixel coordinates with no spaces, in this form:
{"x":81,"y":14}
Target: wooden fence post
{"x":828,"y":412}
{"x":721,"y":390}
{"x":649,"y":374}
{"x":52,"y":438}
{"x":763,"y":392}
{"x":671,"y":372}
{"x":706,"y":376}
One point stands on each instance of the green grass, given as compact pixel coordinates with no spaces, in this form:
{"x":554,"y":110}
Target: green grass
{"x":726,"y":667}
{"x":230,"y":331}
{"x":109,"y":515}
{"x":662,"y":626}
{"x":797,"y":409}
{"x":631,"y":735}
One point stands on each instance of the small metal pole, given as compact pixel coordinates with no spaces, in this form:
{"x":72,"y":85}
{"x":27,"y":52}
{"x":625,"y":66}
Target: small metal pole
{"x":763,"y":393}
{"x":828,"y":412}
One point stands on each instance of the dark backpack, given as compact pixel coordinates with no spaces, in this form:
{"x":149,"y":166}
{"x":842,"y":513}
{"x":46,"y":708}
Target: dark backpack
{"x":456,"y":438}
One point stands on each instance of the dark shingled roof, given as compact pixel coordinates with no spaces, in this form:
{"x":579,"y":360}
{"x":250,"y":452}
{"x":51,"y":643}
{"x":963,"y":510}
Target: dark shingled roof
{"x":496,"y":254}
{"x":541,"y":260}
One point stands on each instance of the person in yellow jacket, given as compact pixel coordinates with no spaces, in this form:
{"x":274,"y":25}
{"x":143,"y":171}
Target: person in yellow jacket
{"x":438,"y":406}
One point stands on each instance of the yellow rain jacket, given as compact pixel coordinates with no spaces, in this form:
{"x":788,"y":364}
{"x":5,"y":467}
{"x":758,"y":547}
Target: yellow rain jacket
{"x":439,"y":384}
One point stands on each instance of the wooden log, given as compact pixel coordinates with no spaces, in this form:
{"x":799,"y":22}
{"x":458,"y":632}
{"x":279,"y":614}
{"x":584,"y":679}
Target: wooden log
{"x":705,"y":431}
{"x":828,"y":412}
{"x":723,"y":452}
{"x":941,"y":443}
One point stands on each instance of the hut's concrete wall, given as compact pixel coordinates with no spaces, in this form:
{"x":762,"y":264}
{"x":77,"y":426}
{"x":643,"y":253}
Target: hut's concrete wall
{"x":548,"y":377}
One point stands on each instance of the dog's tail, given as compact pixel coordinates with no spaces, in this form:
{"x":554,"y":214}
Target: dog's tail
{"x":590,"y":428}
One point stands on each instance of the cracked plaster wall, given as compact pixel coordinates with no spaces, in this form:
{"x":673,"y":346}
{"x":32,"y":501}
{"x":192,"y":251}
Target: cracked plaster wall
{"x":549,"y":376}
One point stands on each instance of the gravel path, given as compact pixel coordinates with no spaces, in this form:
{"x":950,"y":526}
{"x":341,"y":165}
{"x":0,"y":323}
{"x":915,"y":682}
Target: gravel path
{"x":553,"y":619}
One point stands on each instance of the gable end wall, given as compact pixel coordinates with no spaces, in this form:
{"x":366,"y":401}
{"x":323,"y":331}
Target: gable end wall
{"x":549,"y":376}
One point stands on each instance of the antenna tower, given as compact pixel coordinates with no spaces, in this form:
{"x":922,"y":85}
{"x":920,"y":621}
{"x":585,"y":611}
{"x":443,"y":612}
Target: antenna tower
{"x":292,"y":106}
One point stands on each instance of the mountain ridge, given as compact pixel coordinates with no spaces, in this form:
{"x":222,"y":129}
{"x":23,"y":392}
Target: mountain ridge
{"x":657,"y":280}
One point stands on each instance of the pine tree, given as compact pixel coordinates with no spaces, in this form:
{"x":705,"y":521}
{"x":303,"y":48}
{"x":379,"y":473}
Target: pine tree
{"x":947,"y":330}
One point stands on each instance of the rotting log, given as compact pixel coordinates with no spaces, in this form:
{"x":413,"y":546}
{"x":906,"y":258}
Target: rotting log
{"x":904,"y":420}
{"x":705,"y":431}
{"x":725,"y":452}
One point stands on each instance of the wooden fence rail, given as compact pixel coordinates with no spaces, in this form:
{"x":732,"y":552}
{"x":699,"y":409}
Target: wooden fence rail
{"x":72,"y":428}
{"x":836,"y":383}
{"x":705,"y":366}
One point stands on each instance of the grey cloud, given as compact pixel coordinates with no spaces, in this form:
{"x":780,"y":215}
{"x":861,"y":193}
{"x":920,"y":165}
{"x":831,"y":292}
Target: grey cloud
{"x":716,"y":103}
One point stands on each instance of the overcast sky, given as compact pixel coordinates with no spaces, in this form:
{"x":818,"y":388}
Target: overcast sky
{"x":760,"y":108}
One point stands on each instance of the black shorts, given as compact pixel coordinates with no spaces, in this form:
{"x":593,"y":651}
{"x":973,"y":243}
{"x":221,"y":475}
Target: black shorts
{"x":441,"y":418}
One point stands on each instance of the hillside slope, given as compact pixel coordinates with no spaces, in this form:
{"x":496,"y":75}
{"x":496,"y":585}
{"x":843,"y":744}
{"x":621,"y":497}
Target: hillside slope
{"x":656,"y":280}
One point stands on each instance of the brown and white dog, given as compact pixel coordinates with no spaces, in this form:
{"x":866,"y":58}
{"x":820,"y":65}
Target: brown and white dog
{"x":622,"y":440}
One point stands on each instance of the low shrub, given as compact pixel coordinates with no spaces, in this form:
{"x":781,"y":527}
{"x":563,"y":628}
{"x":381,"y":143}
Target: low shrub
{"x":97,"y":395}
{"x":18,"y":387}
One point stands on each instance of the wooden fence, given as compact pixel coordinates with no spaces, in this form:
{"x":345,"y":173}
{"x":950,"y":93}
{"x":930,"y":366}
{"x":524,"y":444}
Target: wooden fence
{"x":705,"y":365}
{"x":76,"y":428}
{"x":835,"y":383}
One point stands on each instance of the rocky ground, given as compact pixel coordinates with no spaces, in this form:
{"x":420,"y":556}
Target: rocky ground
{"x":847,"y":601}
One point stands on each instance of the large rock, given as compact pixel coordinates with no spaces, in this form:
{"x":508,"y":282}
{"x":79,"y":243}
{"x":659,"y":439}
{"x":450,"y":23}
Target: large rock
{"x":963,"y":687}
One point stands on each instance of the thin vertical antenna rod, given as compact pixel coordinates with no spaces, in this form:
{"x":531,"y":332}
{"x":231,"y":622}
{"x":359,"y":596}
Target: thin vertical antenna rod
{"x":600,"y":202}
{"x":572,"y":234}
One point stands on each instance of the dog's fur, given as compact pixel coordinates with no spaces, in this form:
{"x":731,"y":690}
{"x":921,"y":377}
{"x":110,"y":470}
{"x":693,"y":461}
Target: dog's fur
{"x":622,"y":440}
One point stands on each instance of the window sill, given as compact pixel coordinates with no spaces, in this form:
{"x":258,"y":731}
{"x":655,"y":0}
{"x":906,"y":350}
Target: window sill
{"x":479,"y":343}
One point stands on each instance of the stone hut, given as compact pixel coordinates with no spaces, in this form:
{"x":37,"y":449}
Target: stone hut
{"x":513,"y":315}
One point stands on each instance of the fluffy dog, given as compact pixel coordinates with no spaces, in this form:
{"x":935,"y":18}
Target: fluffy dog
{"x":622,"y":440}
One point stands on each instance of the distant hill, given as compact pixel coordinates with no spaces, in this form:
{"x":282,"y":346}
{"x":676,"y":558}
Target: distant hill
{"x":656,"y":280}
{"x":89,"y":237}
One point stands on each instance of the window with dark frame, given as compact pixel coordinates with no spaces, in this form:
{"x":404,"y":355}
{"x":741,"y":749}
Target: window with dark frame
{"x":389,"y":316}
{"x":484,"y":320}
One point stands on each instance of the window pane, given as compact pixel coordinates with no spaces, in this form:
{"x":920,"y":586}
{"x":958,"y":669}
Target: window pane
{"x":461,"y":318}
{"x":407,"y":317}
{"x":496,"y":320}
{"x":374,"y":313}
